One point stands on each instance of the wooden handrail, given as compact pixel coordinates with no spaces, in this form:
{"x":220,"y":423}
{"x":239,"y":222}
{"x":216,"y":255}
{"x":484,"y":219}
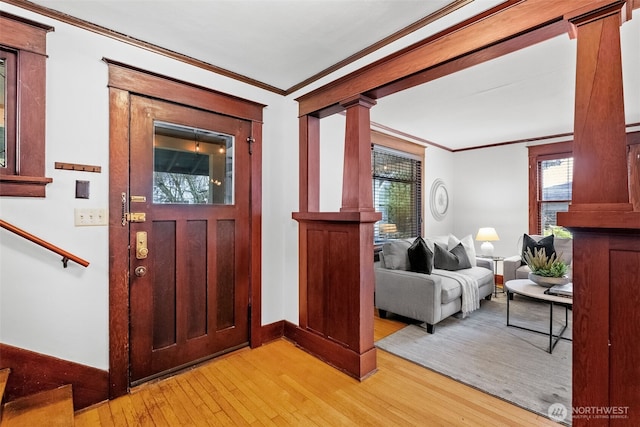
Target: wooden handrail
{"x":66,"y":256}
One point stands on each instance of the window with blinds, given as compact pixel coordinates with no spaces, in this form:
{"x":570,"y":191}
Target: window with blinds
{"x":555,"y":177}
{"x":397,"y":193}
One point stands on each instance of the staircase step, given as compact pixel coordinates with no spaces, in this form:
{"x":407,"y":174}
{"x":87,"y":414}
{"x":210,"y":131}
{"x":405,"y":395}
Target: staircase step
{"x":50,"y":408}
{"x":4,"y":377}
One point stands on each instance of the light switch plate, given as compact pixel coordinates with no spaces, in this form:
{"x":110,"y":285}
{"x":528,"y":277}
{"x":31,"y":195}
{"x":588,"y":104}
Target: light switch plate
{"x":89,"y":217}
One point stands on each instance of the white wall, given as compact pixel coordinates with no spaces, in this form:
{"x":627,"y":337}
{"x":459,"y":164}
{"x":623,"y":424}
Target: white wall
{"x":492,"y":191}
{"x":64,"y":312}
{"x":332,"y":134}
{"x":439,"y":164}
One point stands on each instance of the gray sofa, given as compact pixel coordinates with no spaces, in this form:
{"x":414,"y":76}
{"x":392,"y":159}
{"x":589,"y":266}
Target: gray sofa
{"x":428,"y":298}
{"x":515,"y":268}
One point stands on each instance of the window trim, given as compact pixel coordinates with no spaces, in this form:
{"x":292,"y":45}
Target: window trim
{"x":538,"y":153}
{"x":411,"y":149}
{"x":26,"y":177}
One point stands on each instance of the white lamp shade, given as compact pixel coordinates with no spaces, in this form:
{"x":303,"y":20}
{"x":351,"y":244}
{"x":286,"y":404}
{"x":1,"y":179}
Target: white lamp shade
{"x":487,"y":234}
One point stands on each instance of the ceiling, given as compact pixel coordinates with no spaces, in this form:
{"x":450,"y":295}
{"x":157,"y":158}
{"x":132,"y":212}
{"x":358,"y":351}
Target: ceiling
{"x":287,"y":45}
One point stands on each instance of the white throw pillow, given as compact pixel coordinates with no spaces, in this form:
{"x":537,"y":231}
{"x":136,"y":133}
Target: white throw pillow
{"x":467,"y":243}
{"x":441,"y":240}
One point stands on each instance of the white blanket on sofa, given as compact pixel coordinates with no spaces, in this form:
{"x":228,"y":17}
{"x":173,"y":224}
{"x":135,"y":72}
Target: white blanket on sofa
{"x":469,"y":285}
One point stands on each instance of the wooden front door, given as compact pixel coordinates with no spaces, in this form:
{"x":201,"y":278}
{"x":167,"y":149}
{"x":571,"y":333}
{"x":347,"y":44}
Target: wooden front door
{"x":189,"y":256}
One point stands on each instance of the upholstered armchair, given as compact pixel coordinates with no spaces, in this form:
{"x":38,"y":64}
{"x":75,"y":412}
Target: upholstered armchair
{"x":515,"y":268}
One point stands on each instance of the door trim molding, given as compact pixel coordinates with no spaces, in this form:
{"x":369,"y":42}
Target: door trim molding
{"x":124,"y":81}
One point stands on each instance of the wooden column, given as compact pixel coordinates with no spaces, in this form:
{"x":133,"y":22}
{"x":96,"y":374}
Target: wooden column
{"x":357,"y":191}
{"x":336,"y":252}
{"x":606,"y":262}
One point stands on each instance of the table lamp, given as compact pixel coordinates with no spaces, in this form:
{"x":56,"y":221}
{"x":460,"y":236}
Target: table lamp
{"x":487,"y":235}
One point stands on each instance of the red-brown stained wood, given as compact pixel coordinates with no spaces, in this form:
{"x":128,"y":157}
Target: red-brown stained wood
{"x":131,"y":78}
{"x":163,"y":283}
{"x":33,"y":372}
{"x":606,"y":230}
{"x":625,"y":327}
{"x":118,"y":240}
{"x":538,"y":153}
{"x":197,"y":280}
{"x":147,"y":83}
{"x":50,"y":408}
{"x":226,"y":277}
{"x":357,"y":192}
{"x":601,"y":151}
{"x":634,"y":176}
{"x":30,"y":39}
{"x":517,"y":19}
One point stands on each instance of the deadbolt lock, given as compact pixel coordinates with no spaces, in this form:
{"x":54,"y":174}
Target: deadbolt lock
{"x":141,"y":245}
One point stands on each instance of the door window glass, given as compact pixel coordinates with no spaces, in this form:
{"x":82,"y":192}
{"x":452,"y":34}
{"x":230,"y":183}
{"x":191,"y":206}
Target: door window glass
{"x":192,"y":166}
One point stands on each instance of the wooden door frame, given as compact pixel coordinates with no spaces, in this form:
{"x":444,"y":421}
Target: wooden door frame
{"x":125,"y":80}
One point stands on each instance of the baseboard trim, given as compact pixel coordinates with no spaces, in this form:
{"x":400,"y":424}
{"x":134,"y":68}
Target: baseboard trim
{"x":271,"y":332}
{"x":34,"y":372}
{"x":358,"y":366}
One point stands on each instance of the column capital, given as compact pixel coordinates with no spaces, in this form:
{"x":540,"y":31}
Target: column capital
{"x":587,"y":14}
{"x":361,"y":100}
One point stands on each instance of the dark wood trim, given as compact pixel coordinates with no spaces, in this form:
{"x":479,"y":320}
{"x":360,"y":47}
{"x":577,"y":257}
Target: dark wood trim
{"x":634,"y":138}
{"x":27,"y":123}
{"x":123,"y":81}
{"x":474,"y":58}
{"x":34,"y":372}
{"x":272,"y":331}
{"x":536,"y":154}
{"x":256,"y":331}
{"x":634,"y":173}
{"x":498,"y":26}
{"x":451,"y":7}
{"x":395,"y":143}
{"x":407,"y":135}
{"x":24,"y":34}
{"x":601,"y":96}
{"x":119,"y":119}
{"x":358,"y":366}
{"x":137,"y":80}
{"x":124,"y":38}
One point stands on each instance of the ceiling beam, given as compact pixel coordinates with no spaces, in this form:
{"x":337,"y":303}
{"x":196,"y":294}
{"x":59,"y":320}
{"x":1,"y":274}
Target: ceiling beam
{"x":487,"y":31}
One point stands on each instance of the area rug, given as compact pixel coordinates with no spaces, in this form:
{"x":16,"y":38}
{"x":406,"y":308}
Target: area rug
{"x":506,"y":362}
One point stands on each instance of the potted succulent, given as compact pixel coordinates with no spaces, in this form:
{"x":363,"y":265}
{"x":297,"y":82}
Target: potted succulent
{"x":546,"y":271}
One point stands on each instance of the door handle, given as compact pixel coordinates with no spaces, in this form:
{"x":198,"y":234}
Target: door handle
{"x":141,"y":245}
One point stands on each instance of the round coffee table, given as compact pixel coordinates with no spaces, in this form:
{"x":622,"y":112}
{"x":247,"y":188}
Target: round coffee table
{"x":529,"y":289}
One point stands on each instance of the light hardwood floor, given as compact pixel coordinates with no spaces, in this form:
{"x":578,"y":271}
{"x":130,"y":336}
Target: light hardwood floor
{"x":279,"y":384}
